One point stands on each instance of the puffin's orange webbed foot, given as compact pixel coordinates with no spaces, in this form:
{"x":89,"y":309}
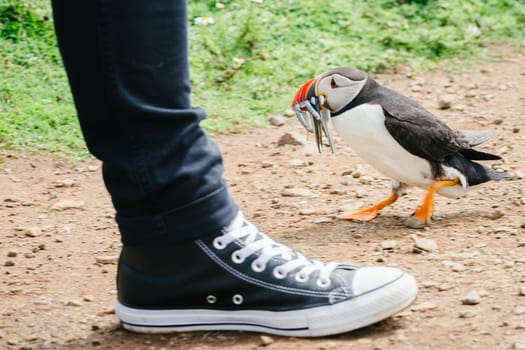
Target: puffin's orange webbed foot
{"x":362,"y":214}
{"x":423,"y":214}
{"x":368,"y":214}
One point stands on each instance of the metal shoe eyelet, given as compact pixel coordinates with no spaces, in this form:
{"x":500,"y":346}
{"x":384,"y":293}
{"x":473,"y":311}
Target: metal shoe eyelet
{"x":278,"y":273}
{"x":218,"y":243}
{"x":237,"y":257}
{"x":301,"y":277}
{"x":257,"y":266}
{"x":211,"y":299}
{"x":237,"y":299}
{"x":323,"y":283}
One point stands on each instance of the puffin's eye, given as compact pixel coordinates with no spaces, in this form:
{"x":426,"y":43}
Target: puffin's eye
{"x":333,"y":84}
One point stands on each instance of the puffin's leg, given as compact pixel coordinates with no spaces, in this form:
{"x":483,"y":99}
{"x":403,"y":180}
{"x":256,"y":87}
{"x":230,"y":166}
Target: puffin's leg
{"x":370,"y":213}
{"x":424,"y":212}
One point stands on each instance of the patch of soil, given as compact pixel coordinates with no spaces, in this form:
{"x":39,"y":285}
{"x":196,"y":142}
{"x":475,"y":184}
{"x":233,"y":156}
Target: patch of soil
{"x":59,"y":244}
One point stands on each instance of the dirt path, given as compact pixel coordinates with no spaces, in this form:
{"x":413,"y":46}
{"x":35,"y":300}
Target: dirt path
{"x":58,"y":242}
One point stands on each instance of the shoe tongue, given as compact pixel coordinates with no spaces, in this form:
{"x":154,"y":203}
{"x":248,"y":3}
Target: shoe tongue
{"x":345,"y":271}
{"x":237,"y":223}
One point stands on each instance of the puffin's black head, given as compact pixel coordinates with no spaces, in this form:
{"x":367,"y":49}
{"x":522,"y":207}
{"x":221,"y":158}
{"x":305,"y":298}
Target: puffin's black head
{"x":329,"y":93}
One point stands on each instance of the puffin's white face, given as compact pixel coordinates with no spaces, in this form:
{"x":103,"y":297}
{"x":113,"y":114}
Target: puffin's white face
{"x":332,"y":90}
{"x":339,"y":90}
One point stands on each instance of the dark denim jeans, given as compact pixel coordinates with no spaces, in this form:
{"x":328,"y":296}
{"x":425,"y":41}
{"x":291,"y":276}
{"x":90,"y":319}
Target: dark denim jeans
{"x":127,"y":65}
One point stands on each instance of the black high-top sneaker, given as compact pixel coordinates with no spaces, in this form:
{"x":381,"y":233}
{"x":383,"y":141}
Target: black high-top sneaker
{"x":243,"y":280}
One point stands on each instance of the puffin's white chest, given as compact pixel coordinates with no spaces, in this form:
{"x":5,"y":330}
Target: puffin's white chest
{"x":363,"y":129}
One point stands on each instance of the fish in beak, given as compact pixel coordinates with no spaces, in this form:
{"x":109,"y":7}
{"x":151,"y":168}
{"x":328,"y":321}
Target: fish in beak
{"x":312,"y":113}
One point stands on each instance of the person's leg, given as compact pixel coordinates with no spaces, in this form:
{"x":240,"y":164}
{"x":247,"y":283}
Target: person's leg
{"x":127,"y":63}
{"x":190,"y":261}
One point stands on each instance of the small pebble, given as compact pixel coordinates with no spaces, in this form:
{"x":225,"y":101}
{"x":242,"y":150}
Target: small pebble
{"x":322,"y":220}
{"x":106,"y":259}
{"x":424,"y":244}
{"x":472,"y":298}
{"x":424,"y":306}
{"x":521,"y":290}
{"x":66,"y":204}
{"x":389,"y":244}
{"x":74,"y":303}
{"x":446,"y":101}
{"x":298,"y":163}
{"x":33,"y":231}
{"x":519,"y":310}
{"x":277,"y":120}
{"x":292,"y":138}
{"x":466,"y":314}
{"x":297,"y":192}
{"x":266,"y":340}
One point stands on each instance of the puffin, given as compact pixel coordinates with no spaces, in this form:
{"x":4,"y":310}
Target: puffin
{"x":396,"y":136}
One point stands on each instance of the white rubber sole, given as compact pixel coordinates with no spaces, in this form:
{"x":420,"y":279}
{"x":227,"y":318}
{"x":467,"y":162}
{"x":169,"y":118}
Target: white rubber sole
{"x":342,"y":317}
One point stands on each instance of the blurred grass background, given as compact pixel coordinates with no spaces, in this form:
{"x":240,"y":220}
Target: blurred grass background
{"x":248,"y":63}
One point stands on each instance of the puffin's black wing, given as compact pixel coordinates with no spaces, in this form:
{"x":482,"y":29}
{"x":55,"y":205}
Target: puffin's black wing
{"x":417,"y":130}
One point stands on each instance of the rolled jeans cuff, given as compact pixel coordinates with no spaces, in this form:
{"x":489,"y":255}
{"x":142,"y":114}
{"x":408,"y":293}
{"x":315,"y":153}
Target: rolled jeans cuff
{"x":203,"y":217}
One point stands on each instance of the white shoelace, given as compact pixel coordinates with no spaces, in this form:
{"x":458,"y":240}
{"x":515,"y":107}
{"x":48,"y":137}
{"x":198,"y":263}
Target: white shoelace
{"x":255,"y":241}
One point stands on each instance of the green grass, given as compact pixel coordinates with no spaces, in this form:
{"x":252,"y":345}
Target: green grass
{"x":248,"y":64}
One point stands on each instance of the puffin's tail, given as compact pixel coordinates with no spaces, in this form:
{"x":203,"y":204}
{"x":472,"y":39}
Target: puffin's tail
{"x":497,"y":175}
{"x":475,"y":138}
{"x":472,"y":154}
{"x":475,"y":173}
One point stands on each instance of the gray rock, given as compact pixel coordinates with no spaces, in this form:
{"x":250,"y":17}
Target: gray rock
{"x":267,"y":164}
{"x":322,"y":220}
{"x":65,"y":204}
{"x":494,"y":215}
{"x":297,"y":192}
{"x":106,"y":260}
{"x":466,"y":314}
{"x":518,"y":174}
{"x":266,"y":340}
{"x":33,"y":231}
{"x":358,"y":171}
{"x":65,"y":183}
{"x":309,"y":211}
{"x":424,"y":244}
{"x":521,"y":290}
{"x":365,"y":180}
{"x":472,"y":298}
{"x":289,"y":113}
{"x":338,"y":191}
{"x":456,"y":267}
{"x":74,"y":302}
{"x":389,"y":244}
{"x":361,"y":192}
{"x":277,"y":120}
{"x":519,"y":310}
{"x":446,"y":101}
{"x":292,"y":138}
{"x":298,"y":163}
{"x":424,"y":306}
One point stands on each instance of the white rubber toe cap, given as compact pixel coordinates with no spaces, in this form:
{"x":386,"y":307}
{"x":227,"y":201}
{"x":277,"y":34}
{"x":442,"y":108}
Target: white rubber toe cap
{"x":367,"y":279}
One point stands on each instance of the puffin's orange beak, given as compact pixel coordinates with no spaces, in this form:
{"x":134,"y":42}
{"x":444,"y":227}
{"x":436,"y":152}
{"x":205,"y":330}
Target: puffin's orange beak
{"x":310,"y":112}
{"x":302,"y":94}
